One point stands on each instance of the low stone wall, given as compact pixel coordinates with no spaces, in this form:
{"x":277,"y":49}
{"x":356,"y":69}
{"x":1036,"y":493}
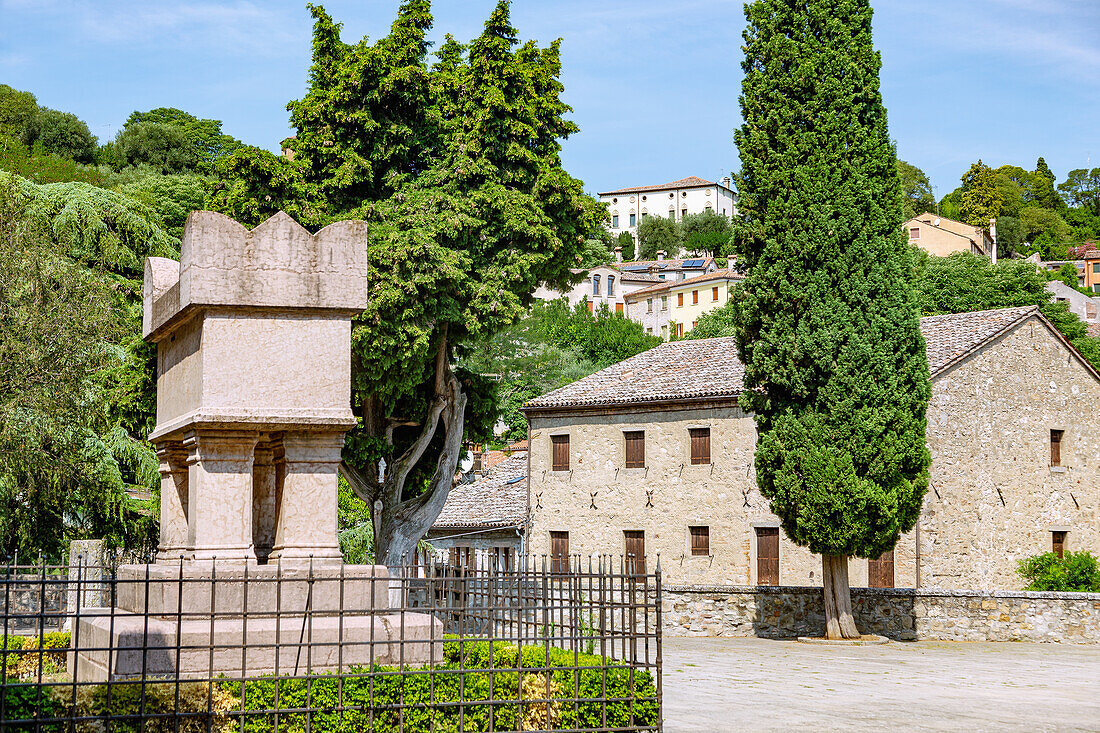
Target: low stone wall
{"x":898,"y":613}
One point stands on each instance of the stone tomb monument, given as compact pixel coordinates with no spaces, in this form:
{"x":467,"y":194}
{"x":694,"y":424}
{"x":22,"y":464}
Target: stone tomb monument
{"x":253,"y":335}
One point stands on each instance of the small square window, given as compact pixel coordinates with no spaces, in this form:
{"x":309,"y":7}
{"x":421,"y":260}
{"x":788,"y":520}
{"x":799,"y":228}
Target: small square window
{"x":1056,"y":447}
{"x":1096,"y":267}
{"x":914,"y":233}
{"x":700,"y":540}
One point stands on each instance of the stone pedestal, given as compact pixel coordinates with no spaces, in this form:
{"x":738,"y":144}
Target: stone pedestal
{"x":196,"y":622}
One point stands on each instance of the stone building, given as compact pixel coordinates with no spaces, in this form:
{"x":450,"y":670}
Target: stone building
{"x":485,"y":517}
{"x":1081,"y":305}
{"x":942,"y":236}
{"x":655,"y":456}
{"x":605,"y":284}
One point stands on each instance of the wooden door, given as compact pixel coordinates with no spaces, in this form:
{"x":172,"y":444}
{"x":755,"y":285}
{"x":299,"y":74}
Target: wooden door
{"x":635,"y":551}
{"x":559,"y":552}
{"x":767,"y":555}
{"x":880,"y":572}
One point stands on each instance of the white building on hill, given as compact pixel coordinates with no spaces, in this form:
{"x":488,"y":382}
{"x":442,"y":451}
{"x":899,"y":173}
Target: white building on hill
{"x":675,"y":200}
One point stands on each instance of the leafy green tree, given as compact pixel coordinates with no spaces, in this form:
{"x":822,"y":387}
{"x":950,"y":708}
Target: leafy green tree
{"x":65,"y":464}
{"x":595,"y":253}
{"x":980,"y":199}
{"x":656,"y":234}
{"x":1067,"y":274}
{"x":61,"y":133}
{"x":205,"y":137}
{"x":1010,"y":236}
{"x":165,"y":147}
{"x":457,"y":168}
{"x":916,"y":190}
{"x":706,"y":232}
{"x":716,"y":323}
{"x":17,"y":109}
{"x":1082,"y":188}
{"x":1045,"y":230}
{"x":43,"y":167}
{"x":951,"y":205}
{"x":1042,"y":187}
{"x":626,"y":241}
{"x":1042,"y":169}
{"x":827,"y":328}
{"x":172,"y":197}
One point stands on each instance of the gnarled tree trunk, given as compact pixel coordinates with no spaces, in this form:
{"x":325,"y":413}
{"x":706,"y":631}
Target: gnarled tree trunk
{"x":839,"y":621}
{"x":401,"y":524}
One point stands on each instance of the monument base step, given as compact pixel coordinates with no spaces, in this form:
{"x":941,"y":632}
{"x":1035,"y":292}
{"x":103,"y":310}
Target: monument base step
{"x":114,"y":644}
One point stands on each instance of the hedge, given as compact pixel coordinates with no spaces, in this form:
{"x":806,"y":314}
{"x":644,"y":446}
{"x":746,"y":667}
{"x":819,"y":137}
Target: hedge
{"x":380,"y":697}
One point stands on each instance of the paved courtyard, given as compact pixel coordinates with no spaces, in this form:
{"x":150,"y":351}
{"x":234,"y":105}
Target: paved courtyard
{"x":760,"y":684}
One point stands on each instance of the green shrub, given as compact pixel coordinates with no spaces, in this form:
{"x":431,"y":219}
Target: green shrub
{"x":24,"y":663}
{"x":1075,"y":571}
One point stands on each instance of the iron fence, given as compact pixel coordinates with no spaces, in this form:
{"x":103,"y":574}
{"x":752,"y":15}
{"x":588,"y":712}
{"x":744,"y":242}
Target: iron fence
{"x":492,"y":643}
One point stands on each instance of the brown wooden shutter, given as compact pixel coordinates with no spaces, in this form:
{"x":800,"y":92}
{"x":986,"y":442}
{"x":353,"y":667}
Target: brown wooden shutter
{"x":635,"y":448}
{"x":559,"y":552}
{"x":700,"y":540}
{"x":767,"y":555}
{"x":694,"y":297}
{"x":1058,"y":543}
{"x":560,"y":444}
{"x":618,"y":307}
{"x":700,"y":445}
{"x":1056,"y":447}
{"x":679,"y":299}
{"x":714,"y":293}
{"x":880,"y":571}
{"x":635,"y":551}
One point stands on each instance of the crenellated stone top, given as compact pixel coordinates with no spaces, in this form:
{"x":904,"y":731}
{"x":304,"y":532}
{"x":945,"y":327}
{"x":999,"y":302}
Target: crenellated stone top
{"x":279,"y":264}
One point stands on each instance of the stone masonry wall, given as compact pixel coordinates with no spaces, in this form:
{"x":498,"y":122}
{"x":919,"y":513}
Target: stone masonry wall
{"x":898,"y":613}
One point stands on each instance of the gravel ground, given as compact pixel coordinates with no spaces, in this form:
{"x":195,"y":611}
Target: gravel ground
{"x":716,"y":684}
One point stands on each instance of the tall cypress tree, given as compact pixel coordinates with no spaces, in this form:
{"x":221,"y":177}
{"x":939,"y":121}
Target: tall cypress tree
{"x":827,"y":325}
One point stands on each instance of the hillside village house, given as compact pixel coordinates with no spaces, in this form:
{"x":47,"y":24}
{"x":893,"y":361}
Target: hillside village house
{"x":611,"y":284}
{"x":1078,"y":303}
{"x":672,"y":308}
{"x":675,"y":200}
{"x":654,"y":455}
{"x":941,"y":236}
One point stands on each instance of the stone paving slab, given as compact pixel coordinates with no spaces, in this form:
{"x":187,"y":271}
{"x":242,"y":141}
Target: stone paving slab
{"x":724,"y":684}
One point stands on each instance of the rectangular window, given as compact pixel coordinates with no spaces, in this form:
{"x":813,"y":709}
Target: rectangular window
{"x":700,"y":446}
{"x":559,"y":552}
{"x":683,"y":212}
{"x":610,"y":286}
{"x":645,"y":214}
{"x":649,"y":305}
{"x":664,"y":332}
{"x":635,"y":448}
{"x":560,"y":445}
{"x":595,"y":284}
{"x":632,"y":220}
{"x":714,"y":293}
{"x":634,"y":544}
{"x":693,"y":324}
{"x":614,"y":221}
{"x":767,"y":555}
{"x":914,"y":233}
{"x":1058,"y":542}
{"x":1096,"y":267}
{"x":1056,"y":447}
{"x":700,"y":541}
{"x":591,"y":307}
{"x":679,"y":300}
{"x":664,"y":302}
{"x":618,"y":307}
{"x":462,"y":557}
{"x":695,"y":297}
{"x":679,"y":329}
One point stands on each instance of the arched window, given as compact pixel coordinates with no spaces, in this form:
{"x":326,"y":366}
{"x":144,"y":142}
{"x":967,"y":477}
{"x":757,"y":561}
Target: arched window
{"x":595,"y":284}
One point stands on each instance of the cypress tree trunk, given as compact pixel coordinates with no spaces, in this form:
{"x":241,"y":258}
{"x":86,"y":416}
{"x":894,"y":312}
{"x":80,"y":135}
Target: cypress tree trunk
{"x":840,"y":623}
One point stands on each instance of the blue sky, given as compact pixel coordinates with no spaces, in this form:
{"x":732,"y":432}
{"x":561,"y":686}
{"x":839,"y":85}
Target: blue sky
{"x":653,"y":83}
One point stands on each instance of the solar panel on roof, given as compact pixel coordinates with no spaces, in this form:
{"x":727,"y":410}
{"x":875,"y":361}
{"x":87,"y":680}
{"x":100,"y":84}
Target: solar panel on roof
{"x":635,"y":268}
{"x":516,"y":480}
{"x":693,"y":263}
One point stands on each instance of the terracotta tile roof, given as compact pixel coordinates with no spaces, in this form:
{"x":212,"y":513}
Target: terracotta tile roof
{"x":703,"y":368}
{"x":497,"y":500}
{"x":651,"y":290}
{"x":726,"y":274}
{"x":689,"y":182}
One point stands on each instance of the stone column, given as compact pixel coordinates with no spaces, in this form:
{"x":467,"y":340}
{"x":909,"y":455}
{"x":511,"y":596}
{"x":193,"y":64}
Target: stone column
{"x":263,"y":500}
{"x":219,"y":520}
{"x":308,"y":483}
{"x":173,"y":502}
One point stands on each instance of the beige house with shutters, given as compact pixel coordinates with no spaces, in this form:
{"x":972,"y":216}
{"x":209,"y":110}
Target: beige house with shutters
{"x":654,"y":456}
